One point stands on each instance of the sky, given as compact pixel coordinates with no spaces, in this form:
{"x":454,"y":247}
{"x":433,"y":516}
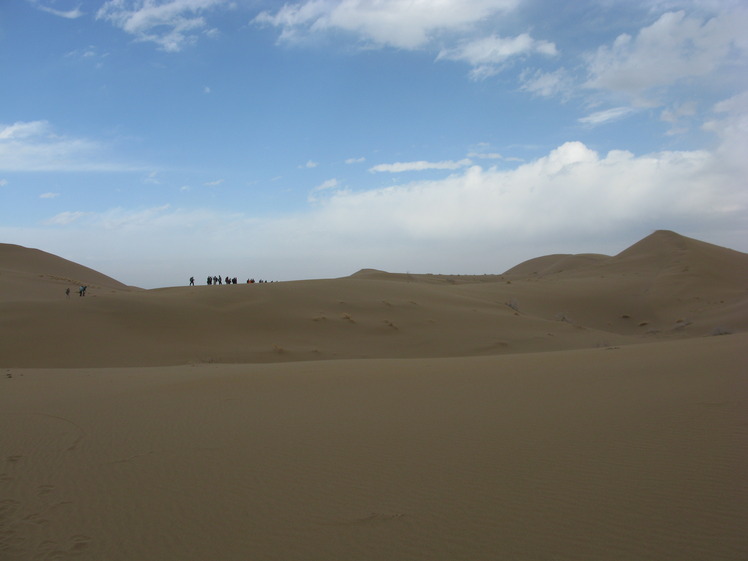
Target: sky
{"x":154,"y":140}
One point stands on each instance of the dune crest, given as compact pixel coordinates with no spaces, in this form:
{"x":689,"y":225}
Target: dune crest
{"x":33,"y":274}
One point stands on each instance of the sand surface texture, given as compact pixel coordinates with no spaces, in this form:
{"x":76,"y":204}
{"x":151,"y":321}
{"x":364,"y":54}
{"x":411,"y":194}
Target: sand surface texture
{"x":579,"y":407}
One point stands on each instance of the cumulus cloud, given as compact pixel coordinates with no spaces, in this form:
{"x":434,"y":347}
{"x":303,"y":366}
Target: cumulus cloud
{"x":400,"y":167}
{"x":35,"y":146}
{"x":407,"y":25}
{"x":487,"y":55}
{"x":171,"y":24}
{"x":674,"y":48}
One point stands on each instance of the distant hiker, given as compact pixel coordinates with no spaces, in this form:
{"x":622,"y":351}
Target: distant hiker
{"x":210,"y":281}
{"x":82,"y":290}
{"x":215,"y":279}
{"x":192,"y":281}
{"x":67,"y":292}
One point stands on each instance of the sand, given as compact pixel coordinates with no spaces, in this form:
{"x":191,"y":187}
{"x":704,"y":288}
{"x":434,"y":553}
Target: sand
{"x":575,"y":407}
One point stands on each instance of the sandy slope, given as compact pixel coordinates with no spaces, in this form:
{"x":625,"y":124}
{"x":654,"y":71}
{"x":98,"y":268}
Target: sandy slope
{"x":637,"y":452}
{"x":575,"y":407}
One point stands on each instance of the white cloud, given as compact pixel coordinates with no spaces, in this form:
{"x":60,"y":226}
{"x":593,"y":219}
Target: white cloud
{"x":65,"y":218}
{"x":329,"y":184}
{"x":572,"y":190}
{"x":171,"y":24}
{"x":487,"y":55}
{"x":678,"y":111}
{"x":49,"y":195}
{"x":674,"y":48}
{"x":326,"y":187}
{"x":547,"y":84}
{"x":310,"y":165}
{"x":730,"y":124}
{"x":22,"y":130}
{"x":606,"y":116}
{"x":214,"y":183}
{"x":73,"y":13}
{"x":90,"y":54}
{"x":3,"y":182}
{"x":409,"y":25}
{"x":486,"y":155}
{"x":399,"y":167}
{"x":355,"y":160}
{"x":35,"y":146}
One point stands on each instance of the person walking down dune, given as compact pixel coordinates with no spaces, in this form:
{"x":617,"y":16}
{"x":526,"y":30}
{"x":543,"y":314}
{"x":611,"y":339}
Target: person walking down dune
{"x":82,"y":290}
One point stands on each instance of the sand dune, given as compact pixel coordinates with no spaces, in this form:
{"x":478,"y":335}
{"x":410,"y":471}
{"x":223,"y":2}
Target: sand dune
{"x":666,"y":286}
{"x":574,"y":407}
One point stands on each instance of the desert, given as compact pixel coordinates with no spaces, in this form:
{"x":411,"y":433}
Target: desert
{"x":576,"y":406}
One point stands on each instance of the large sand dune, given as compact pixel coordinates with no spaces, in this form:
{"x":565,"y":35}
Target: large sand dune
{"x":575,"y":407}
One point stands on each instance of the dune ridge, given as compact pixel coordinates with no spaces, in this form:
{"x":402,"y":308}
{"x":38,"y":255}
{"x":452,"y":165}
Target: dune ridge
{"x":574,"y":407}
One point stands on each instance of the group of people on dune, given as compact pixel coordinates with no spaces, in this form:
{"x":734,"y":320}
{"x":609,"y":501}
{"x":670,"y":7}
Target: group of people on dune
{"x":220,"y":280}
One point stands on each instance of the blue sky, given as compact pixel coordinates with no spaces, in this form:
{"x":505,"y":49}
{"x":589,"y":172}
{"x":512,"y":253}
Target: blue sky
{"x":158,"y":139}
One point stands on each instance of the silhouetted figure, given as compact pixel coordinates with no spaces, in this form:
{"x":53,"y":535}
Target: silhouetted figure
{"x":192,"y":281}
{"x":82,"y":290}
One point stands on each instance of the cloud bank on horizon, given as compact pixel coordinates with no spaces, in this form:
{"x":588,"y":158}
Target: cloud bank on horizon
{"x":155,"y":140}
